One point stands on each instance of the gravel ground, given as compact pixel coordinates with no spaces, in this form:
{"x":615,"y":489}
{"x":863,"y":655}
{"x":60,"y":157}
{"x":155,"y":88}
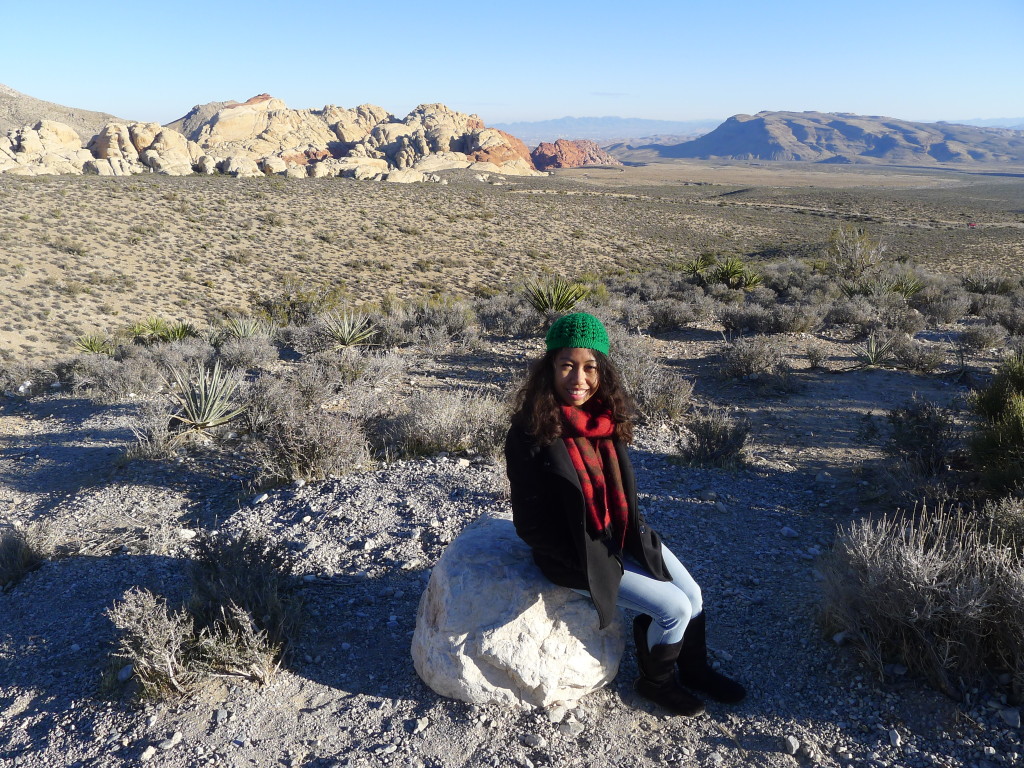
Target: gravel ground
{"x":350,"y":696}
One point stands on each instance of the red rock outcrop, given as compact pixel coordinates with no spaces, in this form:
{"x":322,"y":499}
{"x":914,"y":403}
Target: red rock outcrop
{"x":499,"y":154}
{"x":570,"y":154}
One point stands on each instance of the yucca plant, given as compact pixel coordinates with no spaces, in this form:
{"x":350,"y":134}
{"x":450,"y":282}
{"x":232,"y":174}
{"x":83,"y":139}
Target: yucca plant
{"x":698,"y":265}
{"x":148,"y":331}
{"x":179,"y":331}
{"x":906,"y":285}
{"x":558,"y":295}
{"x":998,"y":444}
{"x":96,"y":344}
{"x":247,"y":327}
{"x":735,"y":274}
{"x":876,"y":351}
{"x":348,"y":329}
{"x":205,"y":400}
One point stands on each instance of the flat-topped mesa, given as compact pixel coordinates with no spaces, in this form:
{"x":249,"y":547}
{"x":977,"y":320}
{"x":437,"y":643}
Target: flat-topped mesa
{"x":565,"y":153}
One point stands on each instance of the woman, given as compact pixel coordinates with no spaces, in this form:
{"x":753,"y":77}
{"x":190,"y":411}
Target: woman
{"x":574,"y":502}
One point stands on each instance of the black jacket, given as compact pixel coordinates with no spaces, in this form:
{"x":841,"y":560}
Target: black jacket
{"x":549,"y":513}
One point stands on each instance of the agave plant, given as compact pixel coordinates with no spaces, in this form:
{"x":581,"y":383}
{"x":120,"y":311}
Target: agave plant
{"x":205,"y":400}
{"x":348,"y":329}
{"x":558,"y":295}
{"x":92,"y":342}
{"x":876,"y":351}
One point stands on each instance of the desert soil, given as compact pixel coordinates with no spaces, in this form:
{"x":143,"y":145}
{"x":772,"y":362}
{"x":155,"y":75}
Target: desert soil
{"x":348,"y":695}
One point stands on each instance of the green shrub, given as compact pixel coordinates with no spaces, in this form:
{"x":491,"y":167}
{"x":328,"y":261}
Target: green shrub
{"x":923,"y":436}
{"x":998,"y":443}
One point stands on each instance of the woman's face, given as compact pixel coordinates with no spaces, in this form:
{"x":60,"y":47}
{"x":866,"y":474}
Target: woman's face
{"x":576,"y":376}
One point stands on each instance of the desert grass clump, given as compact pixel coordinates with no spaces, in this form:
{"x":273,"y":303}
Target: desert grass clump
{"x":931,"y":591}
{"x":997,"y":446}
{"x":452,"y":421}
{"x":713,"y":438}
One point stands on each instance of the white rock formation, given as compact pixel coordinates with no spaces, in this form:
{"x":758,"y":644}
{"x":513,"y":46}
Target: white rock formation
{"x":491,"y":629}
{"x":47,"y":147}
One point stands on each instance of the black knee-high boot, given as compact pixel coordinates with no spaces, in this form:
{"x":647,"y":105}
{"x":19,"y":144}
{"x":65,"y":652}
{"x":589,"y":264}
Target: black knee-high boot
{"x":657,"y":681}
{"x":694,"y":670}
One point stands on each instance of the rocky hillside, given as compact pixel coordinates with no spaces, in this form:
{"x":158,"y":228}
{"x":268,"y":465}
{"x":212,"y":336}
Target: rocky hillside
{"x":604,"y":129}
{"x":570,"y":154}
{"x":17,"y":109}
{"x":843,"y":138}
{"x":264,"y":136}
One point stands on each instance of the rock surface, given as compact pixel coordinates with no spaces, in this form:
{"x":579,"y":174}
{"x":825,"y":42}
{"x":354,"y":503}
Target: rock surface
{"x":570,"y":154}
{"x":491,"y":629}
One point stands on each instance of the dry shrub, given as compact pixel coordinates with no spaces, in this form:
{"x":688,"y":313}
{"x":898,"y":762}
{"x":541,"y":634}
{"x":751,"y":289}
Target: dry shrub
{"x":240,"y":619}
{"x":713,"y":438}
{"x":933,"y":592}
{"x":978,"y":338}
{"x":22,"y":550}
{"x":916,"y":356}
{"x":757,"y":359}
{"x":250,"y":572}
{"x":157,"y":642}
{"x":444,"y":420}
{"x":248,"y":352}
{"x":660,"y":393}
{"x":1007,"y":518}
{"x":308,"y":445}
{"x":507,"y":314}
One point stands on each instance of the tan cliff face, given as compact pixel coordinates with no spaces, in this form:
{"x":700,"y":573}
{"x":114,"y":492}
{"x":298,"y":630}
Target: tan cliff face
{"x":570,"y":154}
{"x":263,"y":135}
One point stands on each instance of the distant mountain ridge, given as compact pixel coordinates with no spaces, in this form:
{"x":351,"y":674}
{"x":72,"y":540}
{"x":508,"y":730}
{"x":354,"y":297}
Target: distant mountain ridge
{"x":603,"y":129}
{"x":18,"y":109}
{"x":825,"y":137}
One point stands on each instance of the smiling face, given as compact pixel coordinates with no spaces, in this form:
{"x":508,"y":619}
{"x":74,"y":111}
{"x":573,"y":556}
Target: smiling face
{"x":576,"y":375}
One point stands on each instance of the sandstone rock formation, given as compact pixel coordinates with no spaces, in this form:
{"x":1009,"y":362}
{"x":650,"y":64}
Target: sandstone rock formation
{"x":491,"y":629}
{"x":262,"y":135}
{"x":43,"y":148}
{"x":570,"y":154}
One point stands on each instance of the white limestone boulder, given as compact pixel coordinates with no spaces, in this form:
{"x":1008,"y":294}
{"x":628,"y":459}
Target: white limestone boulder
{"x":240,"y":166}
{"x":405,"y":177}
{"x":491,"y":629}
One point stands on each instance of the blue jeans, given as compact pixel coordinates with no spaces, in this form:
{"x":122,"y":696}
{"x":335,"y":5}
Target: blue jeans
{"x":670,"y":603}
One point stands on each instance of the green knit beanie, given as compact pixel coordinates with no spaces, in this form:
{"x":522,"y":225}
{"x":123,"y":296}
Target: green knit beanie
{"x":577,"y":330}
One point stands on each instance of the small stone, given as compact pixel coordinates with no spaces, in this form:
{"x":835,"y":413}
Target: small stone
{"x":823,"y":477}
{"x":124,"y":674}
{"x":147,"y":754}
{"x":534,"y":741}
{"x":220,"y":716}
{"x":260,"y":499}
{"x":172,"y":742}
{"x":572,"y":728}
{"x":708,"y":495}
{"x":894,"y":738}
{"x":464,"y":462}
{"x":720,"y":507}
{"x":791,"y":744}
{"x":420,"y":725}
{"x":841,"y":638}
{"x":557,"y":713}
{"x":1011,"y":717}
{"x":300,"y":483}
{"x":186,"y":534}
{"x":716,"y":758}
{"x":75,"y":647}
{"x":788,"y":532}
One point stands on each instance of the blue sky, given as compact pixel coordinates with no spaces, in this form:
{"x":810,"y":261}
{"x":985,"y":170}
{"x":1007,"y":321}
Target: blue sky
{"x":678,"y":60}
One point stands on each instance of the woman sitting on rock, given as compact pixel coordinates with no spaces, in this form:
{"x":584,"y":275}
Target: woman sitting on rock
{"x":574,"y":503}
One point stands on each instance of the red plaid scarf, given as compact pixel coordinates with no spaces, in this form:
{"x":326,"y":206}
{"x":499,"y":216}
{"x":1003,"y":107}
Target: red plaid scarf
{"x":587,"y":433}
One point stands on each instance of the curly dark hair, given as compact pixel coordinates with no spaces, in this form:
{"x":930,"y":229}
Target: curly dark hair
{"x":536,"y":411}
